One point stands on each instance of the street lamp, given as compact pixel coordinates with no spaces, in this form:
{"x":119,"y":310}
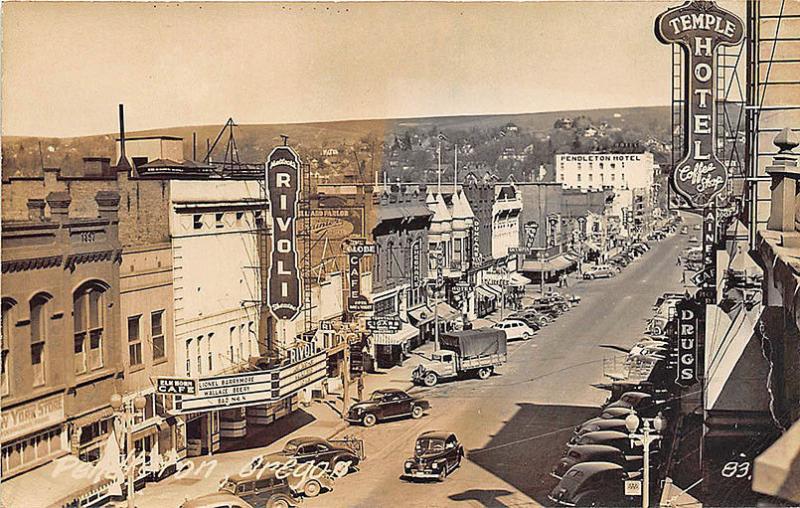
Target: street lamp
{"x":646,"y":438}
{"x":127,"y":413}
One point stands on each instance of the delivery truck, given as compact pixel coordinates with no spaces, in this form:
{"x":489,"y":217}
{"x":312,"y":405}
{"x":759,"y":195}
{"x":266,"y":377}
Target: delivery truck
{"x":464,"y":353}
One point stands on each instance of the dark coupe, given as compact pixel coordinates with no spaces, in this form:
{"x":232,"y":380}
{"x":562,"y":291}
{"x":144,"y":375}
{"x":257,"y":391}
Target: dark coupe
{"x":386,"y":404}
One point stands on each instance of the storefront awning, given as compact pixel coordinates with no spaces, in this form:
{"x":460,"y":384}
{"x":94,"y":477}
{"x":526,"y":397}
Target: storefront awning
{"x":592,"y":246}
{"x":776,"y":472}
{"x":447,"y":313}
{"x":486,"y":292}
{"x":406,"y":333}
{"x":95,"y":416}
{"x":51,"y":485}
{"x":421,"y":315}
{"x":556,"y":264}
{"x":497,"y":290}
{"x":518,"y":280}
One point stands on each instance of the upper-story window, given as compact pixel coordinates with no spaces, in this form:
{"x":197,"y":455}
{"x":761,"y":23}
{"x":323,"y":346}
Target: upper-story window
{"x":88,"y":306}
{"x":157,"y":334}
{"x":218,"y":220}
{"x":135,"y":340}
{"x":39,"y":307}
{"x":7,"y":338}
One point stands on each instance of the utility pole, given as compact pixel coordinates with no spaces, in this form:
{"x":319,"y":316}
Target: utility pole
{"x":346,"y":377}
{"x":439,"y":168}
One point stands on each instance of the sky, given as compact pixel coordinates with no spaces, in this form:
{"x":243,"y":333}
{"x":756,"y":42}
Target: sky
{"x":66,"y":66}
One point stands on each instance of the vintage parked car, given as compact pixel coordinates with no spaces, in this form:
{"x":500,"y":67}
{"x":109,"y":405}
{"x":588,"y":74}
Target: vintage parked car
{"x":267,"y":488}
{"x":436,"y":454}
{"x":515,"y":329}
{"x":615,"y":438}
{"x":532,"y":323}
{"x":694,"y":239}
{"x":597,"y":424}
{"x":599,"y":271}
{"x":592,"y":484}
{"x":597,"y":453}
{"x":317,"y":450}
{"x":221,"y":500}
{"x":634,"y":400}
{"x":385,"y":405}
{"x":540,"y":318}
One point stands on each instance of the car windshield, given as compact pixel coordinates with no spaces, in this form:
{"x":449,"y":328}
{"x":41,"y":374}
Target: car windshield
{"x":427,"y":445}
{"x":376,"y":396}
{"x":290,"y":448}
{"x":229,"y":486}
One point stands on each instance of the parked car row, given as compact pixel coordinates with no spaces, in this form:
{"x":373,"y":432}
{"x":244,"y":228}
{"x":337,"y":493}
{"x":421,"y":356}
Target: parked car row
{"x":600,"y":456}
{"x":525,"y":323}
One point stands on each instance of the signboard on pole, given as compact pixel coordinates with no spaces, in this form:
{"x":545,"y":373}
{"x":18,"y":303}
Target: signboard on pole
{"x":688,"y":347}
{"x":699,"y":28}
{"x":710,"y":253}
{"x":356,"y":302}
{"x":384,"y":324}
{"x":283,"y":186}
{"x":176,"y":386}
{"x":633,"y":487}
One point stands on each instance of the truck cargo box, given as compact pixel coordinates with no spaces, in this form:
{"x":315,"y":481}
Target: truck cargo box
{"x":475,"y":343}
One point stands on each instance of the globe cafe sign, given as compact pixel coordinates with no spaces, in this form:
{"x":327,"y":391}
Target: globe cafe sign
{"x":283,"y":170}
{"x":699,"y":27}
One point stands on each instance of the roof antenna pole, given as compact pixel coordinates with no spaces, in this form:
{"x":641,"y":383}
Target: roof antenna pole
{"x":123,"y":158}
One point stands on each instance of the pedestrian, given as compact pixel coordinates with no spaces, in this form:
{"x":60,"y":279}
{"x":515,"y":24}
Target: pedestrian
{"x":679,"y":261}
{"x":361,"y":386}
{"x":566,"y":280}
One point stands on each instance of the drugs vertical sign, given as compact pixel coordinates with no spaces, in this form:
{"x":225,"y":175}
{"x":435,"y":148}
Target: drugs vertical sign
{"x":283,"y":186}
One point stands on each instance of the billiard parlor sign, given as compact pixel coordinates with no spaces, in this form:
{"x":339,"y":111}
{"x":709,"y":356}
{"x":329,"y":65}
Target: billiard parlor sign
{"x":699,"y":27}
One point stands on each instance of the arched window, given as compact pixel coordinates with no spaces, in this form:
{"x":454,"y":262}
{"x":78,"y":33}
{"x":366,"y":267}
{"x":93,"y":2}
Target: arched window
{"x":88,"y":314}
{"x":39,"y":307}
{"x":188,"y":357}
{"x":7,"y":338}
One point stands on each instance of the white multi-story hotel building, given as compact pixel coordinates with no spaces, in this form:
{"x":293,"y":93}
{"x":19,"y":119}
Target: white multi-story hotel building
{"x":620,"y":171}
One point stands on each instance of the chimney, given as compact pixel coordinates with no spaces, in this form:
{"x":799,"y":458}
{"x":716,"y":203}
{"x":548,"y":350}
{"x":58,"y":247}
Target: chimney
{"x":785,"y":175}
{"x":59,"y":205}
{"x":36,"y":209}
{"x":107,"y":204}
{"x":123,"y":158}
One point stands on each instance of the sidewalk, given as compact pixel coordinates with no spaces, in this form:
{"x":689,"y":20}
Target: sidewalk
{"x":320,"y":419}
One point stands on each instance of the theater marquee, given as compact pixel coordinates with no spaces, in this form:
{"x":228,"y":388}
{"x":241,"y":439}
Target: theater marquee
{"x":699,"y":28}
{"x":283,"y":185}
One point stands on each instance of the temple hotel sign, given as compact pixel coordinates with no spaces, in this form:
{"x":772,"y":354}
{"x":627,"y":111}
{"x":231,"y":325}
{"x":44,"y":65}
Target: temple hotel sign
{"x":699,"y":27}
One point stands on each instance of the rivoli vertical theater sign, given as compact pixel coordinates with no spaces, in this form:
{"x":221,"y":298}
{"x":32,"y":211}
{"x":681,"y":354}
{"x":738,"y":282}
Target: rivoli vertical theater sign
{"x":699,"y":27}
{"x":283,"y":186}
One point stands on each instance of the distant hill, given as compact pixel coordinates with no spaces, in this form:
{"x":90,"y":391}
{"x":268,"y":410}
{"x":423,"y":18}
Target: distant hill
{"x":27,"y":154}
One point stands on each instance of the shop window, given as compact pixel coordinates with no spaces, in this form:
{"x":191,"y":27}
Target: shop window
{"x":6,"y":338}
{"x":157,"y":335}
{"x":39,"y":307}
{"x":134,"y":340}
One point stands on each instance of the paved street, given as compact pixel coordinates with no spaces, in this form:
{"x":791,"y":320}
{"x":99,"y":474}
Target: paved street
{"x":514,"y":426}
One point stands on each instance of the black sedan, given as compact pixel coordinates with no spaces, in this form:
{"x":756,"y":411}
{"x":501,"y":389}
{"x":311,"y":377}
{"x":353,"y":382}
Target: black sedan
{"x":436,"y":455}
{"x":385,"y":405}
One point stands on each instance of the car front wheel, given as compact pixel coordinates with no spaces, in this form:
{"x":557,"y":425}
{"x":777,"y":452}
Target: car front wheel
{"x":369,"y":420}
{"x":417,"y":412}
{"x":442,"y":474}
{"x":278,"y":503}
{"x":431,"y":379}
{"x":312,"y":488}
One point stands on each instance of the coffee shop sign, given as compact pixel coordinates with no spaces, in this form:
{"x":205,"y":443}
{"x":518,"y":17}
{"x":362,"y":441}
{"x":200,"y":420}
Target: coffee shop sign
{"x":699,"y":27}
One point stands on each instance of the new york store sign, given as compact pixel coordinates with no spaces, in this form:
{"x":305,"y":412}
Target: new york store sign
{"x":699,"y":27}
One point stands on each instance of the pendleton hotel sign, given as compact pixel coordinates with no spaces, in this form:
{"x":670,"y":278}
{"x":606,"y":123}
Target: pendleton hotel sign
{"x":699,"y":27}
{"x":283,"y":171}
